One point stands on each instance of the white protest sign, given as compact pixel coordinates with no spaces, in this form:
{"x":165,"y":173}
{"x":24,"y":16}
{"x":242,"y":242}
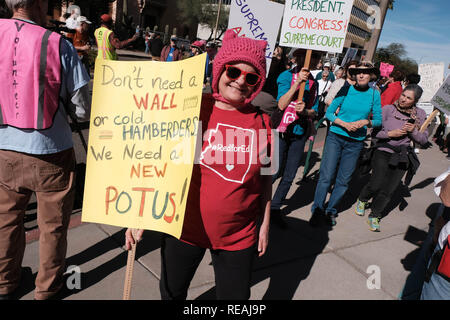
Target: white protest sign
{"x":316,"y":24}
{"x":441,"y":99}
{"x":426,"y":106}
{"x":257,"y":19}
{"x":431,"y":78}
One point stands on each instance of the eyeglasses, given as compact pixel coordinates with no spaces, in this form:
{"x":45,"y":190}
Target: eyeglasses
{"x":234,"y":73}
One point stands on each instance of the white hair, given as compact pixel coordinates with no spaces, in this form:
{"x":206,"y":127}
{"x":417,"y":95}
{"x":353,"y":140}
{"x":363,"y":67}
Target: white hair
{"x":15,"y":4}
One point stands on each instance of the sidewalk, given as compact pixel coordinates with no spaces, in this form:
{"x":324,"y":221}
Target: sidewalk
{"x":301,"y":262}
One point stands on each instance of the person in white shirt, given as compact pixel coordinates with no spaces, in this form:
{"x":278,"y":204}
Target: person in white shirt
{"x":324,"y":83}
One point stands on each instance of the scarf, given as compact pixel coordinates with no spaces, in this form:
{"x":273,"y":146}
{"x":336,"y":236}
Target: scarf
{"x":411,"y":112}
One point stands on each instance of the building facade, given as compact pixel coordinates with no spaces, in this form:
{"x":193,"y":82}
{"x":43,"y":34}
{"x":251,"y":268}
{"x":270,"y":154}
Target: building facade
{"x":364,"y":29}
{"x":129,"y":13}
{"x":361,"y":36}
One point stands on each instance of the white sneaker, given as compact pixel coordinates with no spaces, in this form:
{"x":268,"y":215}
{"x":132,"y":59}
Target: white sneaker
{"x":416,"y":150}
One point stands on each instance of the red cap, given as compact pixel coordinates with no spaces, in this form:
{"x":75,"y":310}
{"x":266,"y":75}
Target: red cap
{"x":106,"y":18}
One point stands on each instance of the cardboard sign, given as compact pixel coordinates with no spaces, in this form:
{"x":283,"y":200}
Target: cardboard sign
{"x":257,"y":19}
{"x":142,"y":138}
{"x":431,"y":78}
{"x":441,"y":99}
{"x":316,"y":25}
{"x":386,"y":69}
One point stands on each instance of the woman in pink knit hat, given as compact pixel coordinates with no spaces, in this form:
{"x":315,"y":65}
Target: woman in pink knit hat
{"x":228,"y":206}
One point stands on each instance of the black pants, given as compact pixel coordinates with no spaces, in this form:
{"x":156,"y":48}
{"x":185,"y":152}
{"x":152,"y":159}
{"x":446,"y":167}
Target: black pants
{"x":179,"y":261}
{"x":382,"y":184}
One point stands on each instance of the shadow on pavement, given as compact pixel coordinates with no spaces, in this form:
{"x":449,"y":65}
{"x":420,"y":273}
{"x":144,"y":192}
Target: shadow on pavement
{"x":289,"y":259}
{"x":417,"y":237}
{"x":150,"y":242}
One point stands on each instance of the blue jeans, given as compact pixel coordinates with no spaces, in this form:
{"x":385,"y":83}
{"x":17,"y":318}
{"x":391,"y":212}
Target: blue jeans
{"x":438,"y":288}
{"x":291,"y":152}
{"x":338,"y":150}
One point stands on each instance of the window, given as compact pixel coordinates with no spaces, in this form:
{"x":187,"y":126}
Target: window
{"x":357,"y":31}
{"x":360,"y":14}
{"x":371,"y":2}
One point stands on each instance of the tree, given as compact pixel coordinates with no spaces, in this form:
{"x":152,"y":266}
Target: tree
{"x":395,"y":54}
{"x":391,"y":4}
{"x":202,"y":12}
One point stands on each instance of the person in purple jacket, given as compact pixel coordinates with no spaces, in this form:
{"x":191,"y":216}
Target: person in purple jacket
{"x":391,"y":159}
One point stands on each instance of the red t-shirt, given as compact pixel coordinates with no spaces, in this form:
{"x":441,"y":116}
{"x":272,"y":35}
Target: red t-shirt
{"x":225,"y":196}
{"x":392,"y":93}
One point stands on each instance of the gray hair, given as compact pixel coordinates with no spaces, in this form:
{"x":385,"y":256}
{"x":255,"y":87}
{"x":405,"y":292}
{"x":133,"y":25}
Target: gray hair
{"x":416,"y":89}
{"x":16,"y":4}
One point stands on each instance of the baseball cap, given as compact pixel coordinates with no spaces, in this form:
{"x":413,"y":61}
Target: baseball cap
{"x":83,"y":19}
{"x":106,"y":18}
{"x":327,"y":64}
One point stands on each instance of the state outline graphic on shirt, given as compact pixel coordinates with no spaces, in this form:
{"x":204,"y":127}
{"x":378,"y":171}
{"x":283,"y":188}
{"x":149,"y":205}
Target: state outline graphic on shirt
{"x":229,"y":167}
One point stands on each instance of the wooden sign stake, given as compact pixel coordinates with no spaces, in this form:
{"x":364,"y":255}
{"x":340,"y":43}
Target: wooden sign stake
{"x":302,"y":86}
{"x":428,"y":121}
{"x":130,"y":266}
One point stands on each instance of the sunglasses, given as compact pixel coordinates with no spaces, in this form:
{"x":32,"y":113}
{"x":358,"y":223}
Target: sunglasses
{"x":234,"y":73}
{"x":356,"y":71}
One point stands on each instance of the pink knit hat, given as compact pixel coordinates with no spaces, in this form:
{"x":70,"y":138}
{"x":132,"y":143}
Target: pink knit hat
{"x":239,"y":49}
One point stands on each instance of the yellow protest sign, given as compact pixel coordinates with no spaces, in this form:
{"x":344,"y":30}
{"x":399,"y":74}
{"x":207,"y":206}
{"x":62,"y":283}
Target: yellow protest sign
{"x":142,"y":138}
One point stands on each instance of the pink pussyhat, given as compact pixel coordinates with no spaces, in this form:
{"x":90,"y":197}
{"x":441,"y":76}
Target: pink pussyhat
{"x":239,"y":49}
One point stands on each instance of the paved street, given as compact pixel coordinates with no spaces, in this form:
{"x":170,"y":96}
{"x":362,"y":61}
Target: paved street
{"x":301,"y":262}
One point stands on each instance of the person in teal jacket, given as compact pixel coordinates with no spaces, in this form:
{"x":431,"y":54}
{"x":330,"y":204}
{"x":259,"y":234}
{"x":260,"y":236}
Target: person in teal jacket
{"x":354,"y":109}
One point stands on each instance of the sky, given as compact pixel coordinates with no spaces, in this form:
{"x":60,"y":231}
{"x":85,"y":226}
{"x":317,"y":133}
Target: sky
{"x":423,"y":26}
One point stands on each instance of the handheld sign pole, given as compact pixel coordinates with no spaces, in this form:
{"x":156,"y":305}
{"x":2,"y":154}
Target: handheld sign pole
{"x":428,"y":121}
{"x":302,"y":86}
{"x":129,"y":270}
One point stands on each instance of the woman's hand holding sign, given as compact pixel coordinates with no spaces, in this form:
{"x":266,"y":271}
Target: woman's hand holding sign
{"x":132,"y":236}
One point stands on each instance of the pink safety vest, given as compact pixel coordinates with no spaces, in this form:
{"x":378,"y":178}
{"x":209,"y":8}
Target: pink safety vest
{"x":30,"y":73}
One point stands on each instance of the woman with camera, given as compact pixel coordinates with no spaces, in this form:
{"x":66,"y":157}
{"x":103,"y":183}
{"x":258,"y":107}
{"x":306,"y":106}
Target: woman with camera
{"x":393,"y":155}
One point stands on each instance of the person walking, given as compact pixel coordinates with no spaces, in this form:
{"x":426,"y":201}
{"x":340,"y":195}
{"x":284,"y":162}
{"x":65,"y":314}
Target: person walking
{"x":107,"y":41}
{"x":345,"y":141}
{"x":393,"y":155}
{"x":81,"y":41}
{"x":171,"y":51}
{"x":292,"y":139}
{"x":414,"y":283}
{"x":394,"y":88}
{"x":147,"y":38}
{"x":36,"y":147}
{"x":324,"y":85}
{"x":339,"y":73}
{"x":156,"y":46}
{"x":326,"y":67}
{"x":346,"y":80}
{"x":238,"y":228}
{"x":437,"y":280}
{"x":198,"y":47}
